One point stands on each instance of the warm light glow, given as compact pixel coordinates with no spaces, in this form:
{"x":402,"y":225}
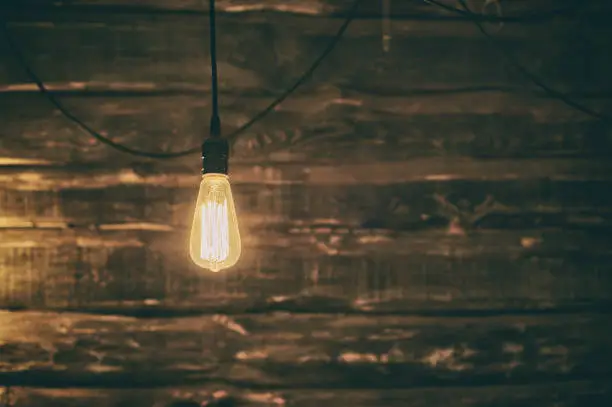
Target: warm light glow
{"x":215,"y":239}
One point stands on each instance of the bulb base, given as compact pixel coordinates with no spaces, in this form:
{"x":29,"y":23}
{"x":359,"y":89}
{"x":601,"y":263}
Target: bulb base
{"x":215,"y":156}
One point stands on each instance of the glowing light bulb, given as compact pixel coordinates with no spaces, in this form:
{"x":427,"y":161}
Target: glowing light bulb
{"x":215,"y":238}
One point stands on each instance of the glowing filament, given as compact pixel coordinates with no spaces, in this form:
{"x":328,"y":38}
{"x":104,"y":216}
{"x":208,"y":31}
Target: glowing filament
{"x":215,"y":232}
{"x":215,"y":239}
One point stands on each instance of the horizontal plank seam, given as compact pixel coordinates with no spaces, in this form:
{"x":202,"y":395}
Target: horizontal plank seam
{"x":316,"y":11}
{"x":596,"y":307}
{"x":173,"y":378}
{"x":494,"y":388}
{"x":153,"y":89}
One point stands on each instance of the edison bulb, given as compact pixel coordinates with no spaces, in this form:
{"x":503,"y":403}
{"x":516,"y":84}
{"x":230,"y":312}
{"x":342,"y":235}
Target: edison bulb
{"x":215,"y":240}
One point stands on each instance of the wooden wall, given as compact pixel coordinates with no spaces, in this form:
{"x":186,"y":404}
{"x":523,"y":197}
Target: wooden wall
{"x":429,"y":230}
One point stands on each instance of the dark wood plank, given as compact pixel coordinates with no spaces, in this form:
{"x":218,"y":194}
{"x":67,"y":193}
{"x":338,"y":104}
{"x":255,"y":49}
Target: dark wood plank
{"x":290,"y":350}
{"x":462,"y":206}
{"x":41,"y":178}
{"x":368,"y":8}
{"x":328,"y":240}
{"x":570,"y":394}
{"x":359,"y":135}
{"x":325,"y":125}
{"x":91,"y":245}
{"x":270,"y":52}
{"x":322,"y":126}
{"x":318,"y":270}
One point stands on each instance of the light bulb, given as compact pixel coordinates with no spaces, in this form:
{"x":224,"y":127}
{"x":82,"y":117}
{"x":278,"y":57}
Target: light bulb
{"x":215,"y":238}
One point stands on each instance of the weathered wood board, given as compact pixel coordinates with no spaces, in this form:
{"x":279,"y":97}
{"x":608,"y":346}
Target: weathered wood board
{"x":378,"y":234}
{"x":568,"y":394}
{"x":369,"y":8}
{"x":324,"y":125}
{"x":301,"y":351}
{"x":40,"y":197}
{"x":261,"y":53}
{"x":465,"y":244}
{"x":119,"y":49}
{"x":413,"y":272}
{"x":442,"y":74}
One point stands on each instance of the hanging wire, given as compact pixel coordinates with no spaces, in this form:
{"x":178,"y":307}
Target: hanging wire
{"x":512,"y":60}
{"x":531,"y":16}
{"x":215,"y":121}
{"x":19,"y":56}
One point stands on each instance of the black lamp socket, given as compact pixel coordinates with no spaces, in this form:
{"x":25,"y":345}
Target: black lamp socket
{"x":215,"y":156}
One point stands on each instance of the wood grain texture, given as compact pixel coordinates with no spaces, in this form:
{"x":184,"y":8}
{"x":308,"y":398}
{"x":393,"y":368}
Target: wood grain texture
{"x":41,"y":178}
{"x":369,"y":8}
{"x":444,"y":244}
{"x":290,"y":350}
{"x":461,"y":205}
{"x":255,"y":56}
{"x":569,"y":394}
{"x":420,"y":228}
{"x":310,"y":241}
{"x":324,"y":125}
{"x":322,"y":270}
{"x":269,"y":51}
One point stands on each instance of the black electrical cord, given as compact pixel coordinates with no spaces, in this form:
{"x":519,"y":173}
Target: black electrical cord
{"x":511,"y":60}
{"x":215,"y":121}
{"x":524,"y":17}
{"x":231,"y":137}
{"x":215,"y":150}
